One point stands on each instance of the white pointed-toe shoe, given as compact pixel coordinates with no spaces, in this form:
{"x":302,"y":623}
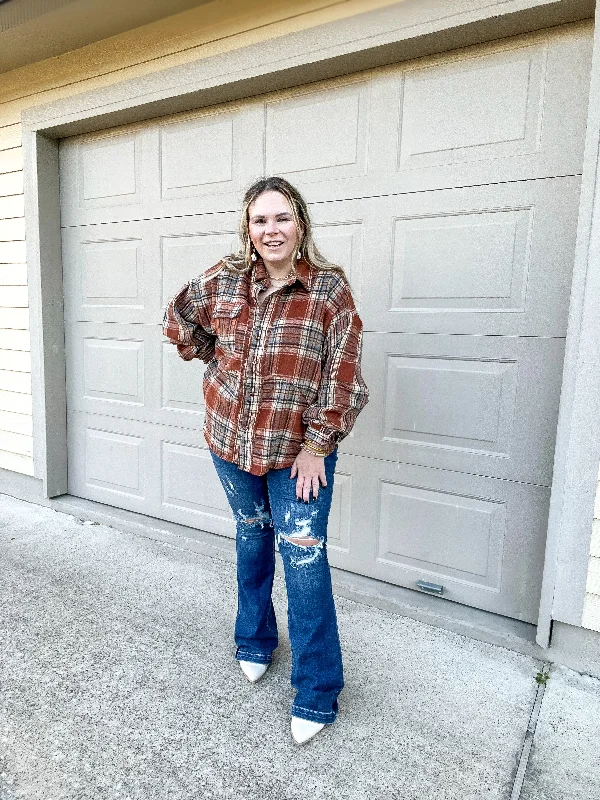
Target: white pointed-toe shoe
{"x":252,"y":671}
{"x":304,"y":729}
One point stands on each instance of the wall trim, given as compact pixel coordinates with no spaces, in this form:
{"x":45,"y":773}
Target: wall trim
{"x":577,"y":453}
{"x":23,"y":487}
{"x":393,"y":34}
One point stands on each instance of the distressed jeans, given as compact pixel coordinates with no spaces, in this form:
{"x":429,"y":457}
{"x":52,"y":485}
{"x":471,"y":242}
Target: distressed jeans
{"x":266,"y":509}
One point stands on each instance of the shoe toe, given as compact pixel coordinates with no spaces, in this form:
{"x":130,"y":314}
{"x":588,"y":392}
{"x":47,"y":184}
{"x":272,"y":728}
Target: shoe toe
{"x":303,"y":729}
{"x":252,"y":671}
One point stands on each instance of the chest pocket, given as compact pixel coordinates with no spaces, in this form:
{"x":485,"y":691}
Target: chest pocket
{"x":227,"y":318}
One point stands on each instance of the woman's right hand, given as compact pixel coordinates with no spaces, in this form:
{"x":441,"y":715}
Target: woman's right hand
{"x":309,"y":471}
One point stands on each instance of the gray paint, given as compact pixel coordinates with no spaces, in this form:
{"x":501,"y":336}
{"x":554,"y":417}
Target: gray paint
{"x":370,"y":40}
{"x":44,"y":276}
{"x":426,"y":265}
{"x":23,"y":487}
{"x":397,"y":33}
{"x":578,"y":433}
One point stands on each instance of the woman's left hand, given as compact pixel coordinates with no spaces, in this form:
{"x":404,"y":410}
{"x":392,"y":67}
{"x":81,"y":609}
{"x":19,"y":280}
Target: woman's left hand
{"x":310,"y":470}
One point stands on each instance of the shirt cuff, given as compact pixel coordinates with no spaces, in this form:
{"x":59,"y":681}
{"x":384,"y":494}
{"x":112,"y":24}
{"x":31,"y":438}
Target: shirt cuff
{"x":321,"y":438}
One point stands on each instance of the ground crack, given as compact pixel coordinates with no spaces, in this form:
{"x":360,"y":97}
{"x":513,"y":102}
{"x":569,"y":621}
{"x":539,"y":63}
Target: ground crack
{"x":527,"y":743}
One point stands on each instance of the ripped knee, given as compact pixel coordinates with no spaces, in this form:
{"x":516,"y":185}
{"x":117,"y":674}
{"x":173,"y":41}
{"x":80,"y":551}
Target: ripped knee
{"x":305,"y":548}
{"x":261,"y":518}
{"x":301,"y":541}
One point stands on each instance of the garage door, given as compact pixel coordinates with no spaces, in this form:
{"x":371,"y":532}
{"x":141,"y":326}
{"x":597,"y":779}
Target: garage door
{"x":448,"y":189}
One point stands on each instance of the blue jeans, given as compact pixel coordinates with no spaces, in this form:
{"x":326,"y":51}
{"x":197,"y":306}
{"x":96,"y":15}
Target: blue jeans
{"x":266,"y":508}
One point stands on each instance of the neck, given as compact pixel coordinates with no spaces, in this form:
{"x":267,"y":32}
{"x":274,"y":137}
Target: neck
{"x":279,"y":271}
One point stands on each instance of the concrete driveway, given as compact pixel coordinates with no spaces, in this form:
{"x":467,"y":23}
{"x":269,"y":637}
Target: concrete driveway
{"x":117,"y":680}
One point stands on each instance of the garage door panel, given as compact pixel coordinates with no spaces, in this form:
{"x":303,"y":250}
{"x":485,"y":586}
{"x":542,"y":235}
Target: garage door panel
{"x":106,"y":273}
{"x":191,"y":492}
{"x":106,"y":268}
{"x":190,"y":246}
{"x":104,"y":172}
{"x":488,"y":114}
{"x":485,"y":260}
{"x":448,"y":189}
{"x":208,"y":155}
{"x":110,"y":462}
{"x":331,"y":146}
{"x":130,"y":372}
{"x":478,"y":538}
{"x":482,"y":405}
{"x":152,"y":469}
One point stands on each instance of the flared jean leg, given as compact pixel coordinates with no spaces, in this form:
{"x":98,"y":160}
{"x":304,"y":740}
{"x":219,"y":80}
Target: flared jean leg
{"x":255,"y":626}
{"x":301,"y":532}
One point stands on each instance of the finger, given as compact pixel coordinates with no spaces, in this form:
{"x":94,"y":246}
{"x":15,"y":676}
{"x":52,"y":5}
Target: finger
{"x":294,"y":470}
{"x":306,"y":491}
{"x":315,"y":486}
{"x":299,"y":487}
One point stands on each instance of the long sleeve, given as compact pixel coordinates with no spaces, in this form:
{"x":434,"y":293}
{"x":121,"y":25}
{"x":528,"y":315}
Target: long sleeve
{"x":343,"y":392}
{"x":187,"y":323}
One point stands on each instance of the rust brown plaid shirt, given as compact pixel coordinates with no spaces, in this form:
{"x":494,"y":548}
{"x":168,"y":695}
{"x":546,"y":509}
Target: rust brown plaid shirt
{"x":278,"y":373}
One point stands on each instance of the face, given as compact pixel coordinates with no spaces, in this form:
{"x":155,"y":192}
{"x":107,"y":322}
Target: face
{"x":272,"y":229}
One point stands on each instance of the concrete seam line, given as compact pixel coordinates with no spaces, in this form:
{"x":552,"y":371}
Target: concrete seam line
{"x":527,"y":743}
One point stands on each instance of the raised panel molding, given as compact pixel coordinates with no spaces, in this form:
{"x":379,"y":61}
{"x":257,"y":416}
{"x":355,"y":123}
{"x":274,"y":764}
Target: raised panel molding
{"x":483,"y":107}
{"x":181,"y":382}
{"x":470,"y":403}
{"x":475,"y":260}
{"x":109,"y":171}
{"x":197,"y":156}
{"x":318,"y":136}
{"x":114,"y":370}
{"x":442,"y":533}
{"x":111,"y":273}
{"x":186,"y":255}
{"x":113,"y":461}
{"x":190,"y":482}
{"x":342,"y":244}
{"x":340,"y":523}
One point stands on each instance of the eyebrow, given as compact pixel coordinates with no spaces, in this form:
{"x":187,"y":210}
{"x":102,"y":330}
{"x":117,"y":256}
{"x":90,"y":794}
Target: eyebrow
{"x":279,"y":214}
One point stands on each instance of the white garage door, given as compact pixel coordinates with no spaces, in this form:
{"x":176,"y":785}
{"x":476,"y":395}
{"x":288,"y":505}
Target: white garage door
{"x":448,"y":188}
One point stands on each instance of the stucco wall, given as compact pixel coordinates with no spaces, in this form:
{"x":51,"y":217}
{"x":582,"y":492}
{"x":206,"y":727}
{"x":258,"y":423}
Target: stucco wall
{"x":205,"y":31}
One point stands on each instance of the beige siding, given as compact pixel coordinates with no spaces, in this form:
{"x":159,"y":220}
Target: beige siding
{"x":210,"y":29}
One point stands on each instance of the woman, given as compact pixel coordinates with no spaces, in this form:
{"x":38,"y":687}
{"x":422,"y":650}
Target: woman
{"x":279,"y":332}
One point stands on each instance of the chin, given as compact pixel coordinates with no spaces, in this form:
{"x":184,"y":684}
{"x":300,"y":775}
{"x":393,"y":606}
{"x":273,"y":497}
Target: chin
{"x":275,"y":258}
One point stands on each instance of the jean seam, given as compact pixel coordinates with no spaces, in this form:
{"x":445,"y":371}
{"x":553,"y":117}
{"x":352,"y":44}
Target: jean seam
{"x":328,"y":714}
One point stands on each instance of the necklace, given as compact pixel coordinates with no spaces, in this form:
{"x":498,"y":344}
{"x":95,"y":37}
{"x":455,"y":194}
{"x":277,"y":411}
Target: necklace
{"x":291,"y":274}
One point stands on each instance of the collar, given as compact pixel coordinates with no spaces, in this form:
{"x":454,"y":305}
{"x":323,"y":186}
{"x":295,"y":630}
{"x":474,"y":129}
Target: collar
{"x":303,"y":273}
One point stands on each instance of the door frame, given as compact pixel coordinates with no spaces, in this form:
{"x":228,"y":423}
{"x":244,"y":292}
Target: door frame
{"x":390,"y":35}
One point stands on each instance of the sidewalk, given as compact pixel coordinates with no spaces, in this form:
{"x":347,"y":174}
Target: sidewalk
{"x":117,"y":680}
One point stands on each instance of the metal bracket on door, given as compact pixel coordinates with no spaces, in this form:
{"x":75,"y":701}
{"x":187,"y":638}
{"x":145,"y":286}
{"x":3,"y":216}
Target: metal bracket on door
{"x":432,"y":588}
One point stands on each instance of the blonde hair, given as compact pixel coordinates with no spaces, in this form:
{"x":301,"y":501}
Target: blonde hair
{"x":242,"y":260}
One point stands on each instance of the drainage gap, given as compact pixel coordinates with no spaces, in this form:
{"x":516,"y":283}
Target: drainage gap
{"x":527,"y":743}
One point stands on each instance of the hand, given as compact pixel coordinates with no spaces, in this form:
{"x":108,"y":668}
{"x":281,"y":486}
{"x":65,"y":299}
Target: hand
{"x":310,"y":470}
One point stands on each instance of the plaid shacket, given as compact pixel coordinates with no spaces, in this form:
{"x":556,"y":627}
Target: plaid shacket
{"x":278,"y":373}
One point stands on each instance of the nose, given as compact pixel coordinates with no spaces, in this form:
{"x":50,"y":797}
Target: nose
{"x":271,"y":226}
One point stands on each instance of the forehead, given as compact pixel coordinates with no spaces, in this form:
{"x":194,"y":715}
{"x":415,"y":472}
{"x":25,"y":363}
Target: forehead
{"x":270,"y":202}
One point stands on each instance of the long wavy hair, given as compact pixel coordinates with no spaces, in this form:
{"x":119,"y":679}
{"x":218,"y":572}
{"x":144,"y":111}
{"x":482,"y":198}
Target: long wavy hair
{"x":241,"y":261}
